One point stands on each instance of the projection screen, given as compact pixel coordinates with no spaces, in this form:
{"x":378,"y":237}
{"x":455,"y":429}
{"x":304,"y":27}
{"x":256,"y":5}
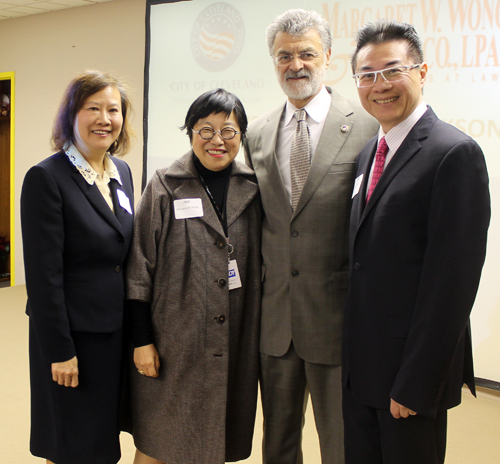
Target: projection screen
{"x":198,"y":45}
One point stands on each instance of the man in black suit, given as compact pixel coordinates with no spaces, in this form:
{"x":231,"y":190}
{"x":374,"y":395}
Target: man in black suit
{"x":418,"y":230}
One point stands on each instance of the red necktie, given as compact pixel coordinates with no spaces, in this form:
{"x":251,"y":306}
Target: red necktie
{"x":378,"y":169}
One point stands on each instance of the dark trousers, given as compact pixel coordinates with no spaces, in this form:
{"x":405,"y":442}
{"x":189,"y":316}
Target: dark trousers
{"x":286,"y":382}
{"x":373,"y":436}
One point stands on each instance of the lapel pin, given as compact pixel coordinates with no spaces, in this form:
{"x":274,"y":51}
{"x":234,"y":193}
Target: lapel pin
{"x":344,"y":128}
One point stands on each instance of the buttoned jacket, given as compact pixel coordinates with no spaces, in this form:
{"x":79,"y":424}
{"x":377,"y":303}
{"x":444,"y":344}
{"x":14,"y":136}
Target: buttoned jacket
{"x":207,"y":336}
{"x":417,"y":249}
{"x":305,"y":251}
{"x":74,"y":252}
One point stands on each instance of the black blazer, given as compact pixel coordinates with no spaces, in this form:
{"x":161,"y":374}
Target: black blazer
{"x":416,"y":254}
{"x":74,"y":253}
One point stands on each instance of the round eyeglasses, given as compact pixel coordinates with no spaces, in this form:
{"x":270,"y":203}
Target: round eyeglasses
{"x":285,"y":59}
{"x":367,"y":79}
{"x":227,"y":133}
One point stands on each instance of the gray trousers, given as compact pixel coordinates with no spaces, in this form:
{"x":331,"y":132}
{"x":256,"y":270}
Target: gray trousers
{"x":286,"y":383}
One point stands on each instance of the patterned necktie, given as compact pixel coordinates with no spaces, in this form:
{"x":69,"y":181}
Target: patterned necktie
{"x":378,"y":169}
{"x":300,"y":156}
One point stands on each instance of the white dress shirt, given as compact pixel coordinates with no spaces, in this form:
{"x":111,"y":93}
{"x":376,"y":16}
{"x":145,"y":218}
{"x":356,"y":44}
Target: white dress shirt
{"x":395,"y":137}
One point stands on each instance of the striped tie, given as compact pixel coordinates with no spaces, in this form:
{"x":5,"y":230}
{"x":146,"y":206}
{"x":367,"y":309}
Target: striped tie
{"x":300,"y":156}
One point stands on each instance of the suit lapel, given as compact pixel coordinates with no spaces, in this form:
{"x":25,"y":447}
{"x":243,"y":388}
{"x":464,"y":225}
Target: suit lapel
{"x":269,"y":137}
{"x":333,"y":136}
{"x":405,"y":152}
{"x":410,"y":146}
{"x":97,"y":201}
{"x":365,"y":160}
{"x":123,"y":216}
{"x":240,"y":193}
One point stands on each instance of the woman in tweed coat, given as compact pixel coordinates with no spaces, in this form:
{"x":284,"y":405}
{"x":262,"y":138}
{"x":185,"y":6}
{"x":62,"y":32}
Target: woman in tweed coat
{"x":197,"y":340}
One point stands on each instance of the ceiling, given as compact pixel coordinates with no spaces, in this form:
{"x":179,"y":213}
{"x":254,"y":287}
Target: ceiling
{"x":17,"y":8}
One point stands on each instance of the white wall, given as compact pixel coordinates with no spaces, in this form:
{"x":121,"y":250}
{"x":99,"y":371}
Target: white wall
{"x":46,"y":51}
{"x":461,"y":44}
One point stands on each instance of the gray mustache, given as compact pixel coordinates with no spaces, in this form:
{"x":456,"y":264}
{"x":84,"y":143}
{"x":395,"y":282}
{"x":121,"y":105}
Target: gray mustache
{"x":301,"y":73}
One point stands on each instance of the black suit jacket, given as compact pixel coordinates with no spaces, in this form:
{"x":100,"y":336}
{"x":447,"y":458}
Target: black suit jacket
{"x":416,"y":249}
{"x":74,"y":252}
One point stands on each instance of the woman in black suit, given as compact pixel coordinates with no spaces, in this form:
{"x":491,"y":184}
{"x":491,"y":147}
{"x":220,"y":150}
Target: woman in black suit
{"x":76,"y":212}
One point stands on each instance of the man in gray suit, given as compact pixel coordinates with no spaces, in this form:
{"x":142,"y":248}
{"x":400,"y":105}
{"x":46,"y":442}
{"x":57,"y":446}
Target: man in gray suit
{"x":304,"y":237}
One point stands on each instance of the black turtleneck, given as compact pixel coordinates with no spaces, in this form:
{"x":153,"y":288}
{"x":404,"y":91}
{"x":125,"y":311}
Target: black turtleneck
{"x":216,"y":181}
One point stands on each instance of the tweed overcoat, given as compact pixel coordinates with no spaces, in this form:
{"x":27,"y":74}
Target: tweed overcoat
{"x":201,"y":408}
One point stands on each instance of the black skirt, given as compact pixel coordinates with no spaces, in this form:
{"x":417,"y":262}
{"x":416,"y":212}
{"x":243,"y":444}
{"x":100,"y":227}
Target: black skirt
{"x":78,"y":425}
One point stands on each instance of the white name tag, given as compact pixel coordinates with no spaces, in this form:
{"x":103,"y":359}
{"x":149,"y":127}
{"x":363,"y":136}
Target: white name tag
{"x":188,"y":208}
{"x":233,"y":275}
{"x":124,"y":201}
{"x":357,"y":185}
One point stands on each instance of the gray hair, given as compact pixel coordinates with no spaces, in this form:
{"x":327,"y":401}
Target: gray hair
{"x":299,"y":22}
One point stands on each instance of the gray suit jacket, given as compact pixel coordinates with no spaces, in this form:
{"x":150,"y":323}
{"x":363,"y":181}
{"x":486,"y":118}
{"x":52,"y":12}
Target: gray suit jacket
{"x":305,"y":253}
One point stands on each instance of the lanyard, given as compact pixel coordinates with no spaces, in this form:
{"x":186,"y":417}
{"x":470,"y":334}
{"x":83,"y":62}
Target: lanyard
{"x":221,"y":215}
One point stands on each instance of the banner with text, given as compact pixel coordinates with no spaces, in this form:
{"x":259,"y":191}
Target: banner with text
{"x":204,"y":44}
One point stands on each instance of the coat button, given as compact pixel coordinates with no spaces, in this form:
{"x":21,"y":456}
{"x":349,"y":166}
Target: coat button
{"x":221,"y":283}
{"x":295,"y":233}
{"x":357,"y":266}
{"x":118,"y":268}
{"x":120,"y":239}
{"x":295,"y":273}
{"x":220,"y":244}
{"x":221,"y":319}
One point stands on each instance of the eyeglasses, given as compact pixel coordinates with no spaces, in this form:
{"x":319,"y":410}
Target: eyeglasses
{"x":285,"y":59}
{"x":227,"y":133}
{"x":367,"y":79}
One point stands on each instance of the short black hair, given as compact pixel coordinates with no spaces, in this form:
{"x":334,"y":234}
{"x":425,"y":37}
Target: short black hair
{"x":213,"y":102}
{"x":388,"y":30}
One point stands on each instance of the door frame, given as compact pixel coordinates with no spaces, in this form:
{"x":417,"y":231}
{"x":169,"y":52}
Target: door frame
{"x":4,"y":76}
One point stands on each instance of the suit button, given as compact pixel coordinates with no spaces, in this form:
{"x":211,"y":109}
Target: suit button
{"x":295,"y":233}
{"x":120,"y":239}
{"x":357,"y":266}
{"x":220,"y":244}
{"x":295,"y":273}
{"x":118,"y":268}
{"x":221,"y":319}
{"x":221,"y":283}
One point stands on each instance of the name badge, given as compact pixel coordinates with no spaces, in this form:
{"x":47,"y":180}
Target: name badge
{"x":188,"y":208}
{"x":124,"y":201}
{"x":357,"y":186}
{"x":233,"y":275}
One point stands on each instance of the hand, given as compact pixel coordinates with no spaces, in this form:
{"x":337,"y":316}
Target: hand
{"x":147,"y":361}
{"x":398,"y":411}
{"x":66,"y":373}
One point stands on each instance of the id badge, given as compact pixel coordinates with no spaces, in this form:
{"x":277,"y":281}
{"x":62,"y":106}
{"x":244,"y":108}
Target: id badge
{"x":188,"y":208}
{"x":357,"y":185}
{"x":233,"y":275}
{"x":124,"y":201}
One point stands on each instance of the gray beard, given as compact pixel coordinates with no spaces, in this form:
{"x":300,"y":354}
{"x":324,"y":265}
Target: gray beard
{"x":304,"y":88}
